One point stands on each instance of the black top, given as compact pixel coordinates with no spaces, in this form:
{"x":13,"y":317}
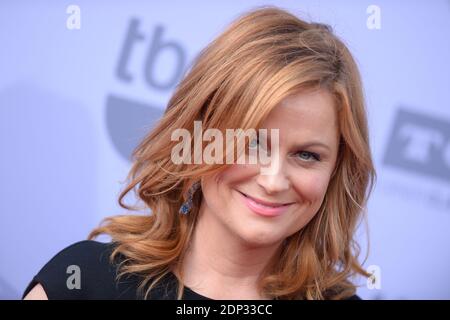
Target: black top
{"x":90,"y":262}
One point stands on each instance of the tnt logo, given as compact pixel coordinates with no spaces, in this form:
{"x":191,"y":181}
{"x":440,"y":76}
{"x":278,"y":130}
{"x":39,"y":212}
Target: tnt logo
{"x":420,"y":143}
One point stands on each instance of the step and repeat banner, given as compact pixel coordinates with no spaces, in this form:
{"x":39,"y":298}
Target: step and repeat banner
{"x":82,"y":81}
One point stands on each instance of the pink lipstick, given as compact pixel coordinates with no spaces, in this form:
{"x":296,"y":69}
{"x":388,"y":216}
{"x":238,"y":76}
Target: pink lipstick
{"x":264,"y":208}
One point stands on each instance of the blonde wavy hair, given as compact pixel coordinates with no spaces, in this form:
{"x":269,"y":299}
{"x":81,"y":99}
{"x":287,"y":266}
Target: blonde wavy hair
{"x":265,"y":55}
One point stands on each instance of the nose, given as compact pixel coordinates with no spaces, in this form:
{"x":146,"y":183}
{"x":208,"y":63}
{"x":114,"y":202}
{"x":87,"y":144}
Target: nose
{"x":275,"y":182}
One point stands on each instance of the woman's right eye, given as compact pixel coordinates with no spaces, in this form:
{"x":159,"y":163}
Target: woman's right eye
{"x":253,"y":143}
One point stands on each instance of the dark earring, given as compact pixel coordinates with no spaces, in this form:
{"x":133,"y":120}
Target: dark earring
{"x":187,"y":205}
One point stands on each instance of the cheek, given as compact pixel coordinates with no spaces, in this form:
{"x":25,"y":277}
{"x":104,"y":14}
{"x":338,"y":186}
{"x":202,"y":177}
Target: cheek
{"x":233,"y":176}
{"x":217,"y":188}
{"x":237,"y":173}
{"x":311,"y":189}
{"x":311,"y":186}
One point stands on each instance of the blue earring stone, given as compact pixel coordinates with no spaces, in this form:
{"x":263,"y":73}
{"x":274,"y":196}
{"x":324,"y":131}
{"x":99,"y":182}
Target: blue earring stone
{"x":187,"y":206}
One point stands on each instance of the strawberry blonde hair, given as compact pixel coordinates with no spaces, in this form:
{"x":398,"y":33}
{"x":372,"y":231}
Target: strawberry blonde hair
{"x":265,"y":55}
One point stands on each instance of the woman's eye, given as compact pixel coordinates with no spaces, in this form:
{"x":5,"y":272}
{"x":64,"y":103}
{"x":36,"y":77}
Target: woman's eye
{"x":308,"y":156}
{"x":253,"y":143}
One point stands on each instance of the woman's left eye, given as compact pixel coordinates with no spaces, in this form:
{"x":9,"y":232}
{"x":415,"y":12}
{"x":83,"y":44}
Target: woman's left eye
{"x":308,"y":155}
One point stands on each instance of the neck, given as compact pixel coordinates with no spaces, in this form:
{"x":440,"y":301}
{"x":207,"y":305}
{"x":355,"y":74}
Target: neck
{"x":219,"y":265}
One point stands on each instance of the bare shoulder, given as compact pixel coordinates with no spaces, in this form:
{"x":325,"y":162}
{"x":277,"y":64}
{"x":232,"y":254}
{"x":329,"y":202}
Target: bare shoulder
{"x":37,"y":293}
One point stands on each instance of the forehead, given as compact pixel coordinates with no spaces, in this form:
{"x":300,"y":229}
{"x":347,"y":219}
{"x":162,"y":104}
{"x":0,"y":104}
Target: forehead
{"x":305,"y":115}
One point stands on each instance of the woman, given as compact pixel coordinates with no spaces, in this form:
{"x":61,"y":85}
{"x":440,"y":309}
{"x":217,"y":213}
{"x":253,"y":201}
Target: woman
{"x":221,"y":230}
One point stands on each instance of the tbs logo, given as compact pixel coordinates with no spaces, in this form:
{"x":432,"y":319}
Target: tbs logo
{"x":128,"y":118}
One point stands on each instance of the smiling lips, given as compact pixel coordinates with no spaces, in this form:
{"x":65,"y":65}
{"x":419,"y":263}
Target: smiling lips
{"x":265,"y":208}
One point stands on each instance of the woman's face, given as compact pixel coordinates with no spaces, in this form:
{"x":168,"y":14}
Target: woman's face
{"x":293,"y":193}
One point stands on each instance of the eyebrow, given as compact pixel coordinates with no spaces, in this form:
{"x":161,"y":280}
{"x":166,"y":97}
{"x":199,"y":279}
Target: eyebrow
{"x":313,"y":143}
{"x":306,"y":145}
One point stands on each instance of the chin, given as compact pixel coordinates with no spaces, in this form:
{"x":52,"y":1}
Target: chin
{"x":259,"y":238}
